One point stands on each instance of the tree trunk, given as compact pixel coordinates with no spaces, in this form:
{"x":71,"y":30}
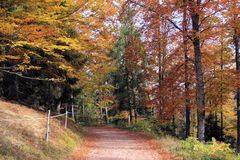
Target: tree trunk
{"x":221,"y":96}
{"x":107,"y":119}
{"x":161,"y":56}
{"x":83,"y":110}
{"x":17,"y":88}
{"x":1,"y":83}
{"x":101,"y":112}
{"x":134,"y":106}
{"x":187,"y":84}
{"x":237,"y":59}
{"x":59,"y":106}
{"x":128,"y":95}
{"x":195,"y":17}
{"x":174,"y":125}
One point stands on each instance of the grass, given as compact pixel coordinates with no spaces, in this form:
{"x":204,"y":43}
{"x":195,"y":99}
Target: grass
{"x":190,"y":149}
{"x":25,"y":139}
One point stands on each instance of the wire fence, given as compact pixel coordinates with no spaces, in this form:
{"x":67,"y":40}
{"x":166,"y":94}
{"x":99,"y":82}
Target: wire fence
{"x":47,"y":119}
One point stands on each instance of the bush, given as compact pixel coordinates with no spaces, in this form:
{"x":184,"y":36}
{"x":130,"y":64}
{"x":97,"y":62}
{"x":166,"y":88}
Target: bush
{"x":120,"y":119}
{"x":153,"y":126}
{"x":192,"y":149}
{"x":144,"y":126}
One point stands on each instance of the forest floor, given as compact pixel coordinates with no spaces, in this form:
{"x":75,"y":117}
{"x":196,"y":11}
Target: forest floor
{"x":106,"y":143}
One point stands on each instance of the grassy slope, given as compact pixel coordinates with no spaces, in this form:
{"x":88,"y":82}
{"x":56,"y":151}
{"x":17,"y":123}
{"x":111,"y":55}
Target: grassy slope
{"x":24,"y":139}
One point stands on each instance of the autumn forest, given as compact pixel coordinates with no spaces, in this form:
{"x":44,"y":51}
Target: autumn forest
{"x":166,"y":67}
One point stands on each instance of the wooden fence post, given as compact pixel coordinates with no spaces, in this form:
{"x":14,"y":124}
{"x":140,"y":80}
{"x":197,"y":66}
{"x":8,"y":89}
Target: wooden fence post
{"x":73,"y":117}
{"x":48,"y":126}
{"x":66,"y":117}
{"x":107,"y":119}
{"x":129,"y":122}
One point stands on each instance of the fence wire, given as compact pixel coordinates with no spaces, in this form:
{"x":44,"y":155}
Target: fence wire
{"x":29,"y":118}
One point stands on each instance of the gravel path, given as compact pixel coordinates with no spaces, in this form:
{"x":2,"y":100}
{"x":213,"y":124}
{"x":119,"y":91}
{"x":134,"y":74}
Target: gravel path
{"x":117,"y":144}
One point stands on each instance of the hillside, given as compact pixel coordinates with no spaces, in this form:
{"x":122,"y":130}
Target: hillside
{"x":22,"y":134}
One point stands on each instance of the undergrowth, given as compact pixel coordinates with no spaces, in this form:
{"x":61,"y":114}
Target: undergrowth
{"x":189,"y":149}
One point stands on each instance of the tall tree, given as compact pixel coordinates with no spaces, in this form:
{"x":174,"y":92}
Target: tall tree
{"x":195,"y":17}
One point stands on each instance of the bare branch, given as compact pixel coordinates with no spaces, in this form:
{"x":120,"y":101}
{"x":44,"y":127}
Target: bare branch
{"x":168,"y":19}
{"x":208,"y":16}
{"x":31,"y":78}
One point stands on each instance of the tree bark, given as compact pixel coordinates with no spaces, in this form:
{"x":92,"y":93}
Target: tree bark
{"x":128,"y":95}
{"x":59,"y":106}
{"x":134,"y":106}
{"x":17,"y":87}
{"x":237,"y":59}
{"x":221,"y":96}
{"x":187,"y":83}
{"x":107,"y":119}
{"x":195,"y":17}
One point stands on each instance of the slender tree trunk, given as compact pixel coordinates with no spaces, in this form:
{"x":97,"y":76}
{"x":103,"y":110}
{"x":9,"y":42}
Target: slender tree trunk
{"x":72,"y":105}
{"x":83,"y":110}
{"x":237,"y":59}
{"x":174,"y":124}
{"x":1,"y":83}
{"x":160,"y":78}
{"x":221,"y":96}
{"x":59,"y":106}
{"x":107,"y":119}
{"x":187,"y":83}
{"x":198,"y":68}
{"x":161,"y":54}
{"x":128,"y":95}
{"x":134,"y":106}
{"x":17,"y":88}
{"x":101,"y":112}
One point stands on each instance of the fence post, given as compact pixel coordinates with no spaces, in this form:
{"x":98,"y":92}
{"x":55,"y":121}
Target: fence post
{"x":107,"y":119}
{"x":73,"y":113}
{"x":129,"y":122}
{"x":66,"y":117}
{"x":48,"y":125}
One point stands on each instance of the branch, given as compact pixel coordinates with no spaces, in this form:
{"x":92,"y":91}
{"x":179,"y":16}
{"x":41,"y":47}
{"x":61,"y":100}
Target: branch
{"x":30,"y":78}
{"x":169,"y":20}
{"x":73,"y":12}
{"x":177,"y":27}
{"x":206,"y":17}
{"x":208,"y":28}
{"x":6,"y":68}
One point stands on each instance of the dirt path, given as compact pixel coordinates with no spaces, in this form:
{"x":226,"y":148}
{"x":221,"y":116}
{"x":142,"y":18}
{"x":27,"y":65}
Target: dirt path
{"x":115,"y":144}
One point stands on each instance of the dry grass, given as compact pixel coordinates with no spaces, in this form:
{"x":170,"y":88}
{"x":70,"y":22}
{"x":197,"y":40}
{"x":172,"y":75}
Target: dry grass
{"x":22,"y":133}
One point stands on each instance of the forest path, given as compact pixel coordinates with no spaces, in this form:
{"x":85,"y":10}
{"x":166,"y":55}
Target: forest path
{"x":106,"y":143}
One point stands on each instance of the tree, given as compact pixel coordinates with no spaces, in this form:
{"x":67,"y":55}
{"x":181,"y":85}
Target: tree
{"x":53,"y":42}
{"x":129,"y":56}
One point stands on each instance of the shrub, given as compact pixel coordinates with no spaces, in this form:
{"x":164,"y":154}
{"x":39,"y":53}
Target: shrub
{"x":192,"y":149}
{"x":120,"y":119}
{"x":153,"y":126}
{"x":144,"y":126}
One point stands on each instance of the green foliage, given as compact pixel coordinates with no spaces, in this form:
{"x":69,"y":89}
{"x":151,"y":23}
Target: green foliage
{"x":145,"y":126}
{"x":153,"y":126}
{"x":192,"y":149}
